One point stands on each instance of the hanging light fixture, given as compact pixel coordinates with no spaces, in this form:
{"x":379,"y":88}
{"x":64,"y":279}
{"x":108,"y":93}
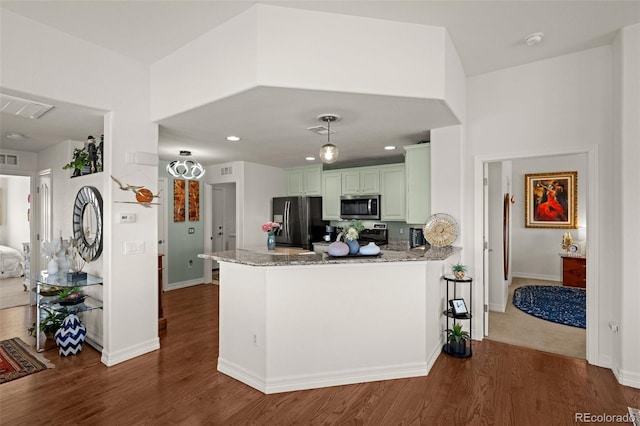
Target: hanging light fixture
{"x":185,"y":169}
{"x":329,"y":152}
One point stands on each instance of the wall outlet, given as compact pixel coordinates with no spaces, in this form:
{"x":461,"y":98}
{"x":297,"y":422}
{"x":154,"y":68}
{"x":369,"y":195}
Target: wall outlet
{"x":401,"y":230}
{"x":254,"y":339}
{"x":190,"y":263}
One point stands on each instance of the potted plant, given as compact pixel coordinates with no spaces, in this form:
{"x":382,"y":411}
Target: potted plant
{"x":457,"y":339}
{"x":458,"y":270}
{"x":70,"y":296}
{"x":80,"y":161}
{"x":50,"y":322}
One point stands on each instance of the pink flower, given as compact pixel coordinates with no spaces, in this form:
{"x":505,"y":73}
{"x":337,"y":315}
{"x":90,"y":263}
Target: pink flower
{"x":269,"y":227}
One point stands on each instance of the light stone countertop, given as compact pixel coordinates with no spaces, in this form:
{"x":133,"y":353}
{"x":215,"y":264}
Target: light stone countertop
{"x":257,"y":257}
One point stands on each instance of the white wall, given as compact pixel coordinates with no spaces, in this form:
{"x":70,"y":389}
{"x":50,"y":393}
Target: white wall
{"x":563,"y":103}
{"x":72,"y":70}
{"x":536,"y":250}
{"x":14,"y":226}
{"x":626,"y":292}
{"x":282,"y":47}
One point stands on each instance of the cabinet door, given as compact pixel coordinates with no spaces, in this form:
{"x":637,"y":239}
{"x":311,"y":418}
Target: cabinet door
{"x":392,"y":193}
{"x":350,"y":182}
{"x":295,"y":182}
{"x":418,"y":183}
{"x":370,"y":181}
{"x":331,"y":191}
{"x":304,"y":181}
{"x":312,"y":181}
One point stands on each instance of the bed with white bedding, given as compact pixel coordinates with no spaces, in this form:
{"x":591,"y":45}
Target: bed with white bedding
{"x":11,"y":263}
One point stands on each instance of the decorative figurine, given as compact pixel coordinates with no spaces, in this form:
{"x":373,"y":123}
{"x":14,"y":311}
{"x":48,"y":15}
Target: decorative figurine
{"x":92,"y":150}
{"x":101,"y":154}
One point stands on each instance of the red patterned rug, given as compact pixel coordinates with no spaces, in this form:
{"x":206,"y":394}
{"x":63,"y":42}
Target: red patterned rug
{"x":17,"y":359}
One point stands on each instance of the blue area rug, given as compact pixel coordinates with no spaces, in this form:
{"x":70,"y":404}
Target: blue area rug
{"x":564,"y":305}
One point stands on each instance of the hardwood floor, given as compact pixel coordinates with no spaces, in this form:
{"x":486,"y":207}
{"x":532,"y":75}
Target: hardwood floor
{"x":501,"y":384}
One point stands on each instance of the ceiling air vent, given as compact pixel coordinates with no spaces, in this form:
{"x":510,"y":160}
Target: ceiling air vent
{"x":23,"y":107}
{"x":321,"y":130}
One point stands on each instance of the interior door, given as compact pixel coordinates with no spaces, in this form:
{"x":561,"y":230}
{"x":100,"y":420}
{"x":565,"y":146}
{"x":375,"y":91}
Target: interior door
{"x":44,"y":231}
{"x":218,"y":238}
{"x":485,"y":245}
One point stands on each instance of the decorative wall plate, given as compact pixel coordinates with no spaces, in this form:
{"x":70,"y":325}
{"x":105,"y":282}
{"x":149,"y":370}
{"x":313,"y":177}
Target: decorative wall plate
{"x":441,"y":230}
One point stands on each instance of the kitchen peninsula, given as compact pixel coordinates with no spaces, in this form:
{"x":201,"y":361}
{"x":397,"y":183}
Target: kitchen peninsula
{"x":302,"y":321}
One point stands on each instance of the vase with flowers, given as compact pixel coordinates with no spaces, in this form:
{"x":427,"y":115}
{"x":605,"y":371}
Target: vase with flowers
{"x":270,"y":228}
{"x":351,"y":236}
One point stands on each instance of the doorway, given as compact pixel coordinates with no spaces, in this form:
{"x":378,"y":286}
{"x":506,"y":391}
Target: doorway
{"x":223,"y":218}
{"x":531,"y":247}
{"x":15,"y":240}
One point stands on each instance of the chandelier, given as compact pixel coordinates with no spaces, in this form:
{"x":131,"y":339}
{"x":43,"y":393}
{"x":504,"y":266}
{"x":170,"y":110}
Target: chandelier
{"x":185,"y":169}
{"x":329,"y":152}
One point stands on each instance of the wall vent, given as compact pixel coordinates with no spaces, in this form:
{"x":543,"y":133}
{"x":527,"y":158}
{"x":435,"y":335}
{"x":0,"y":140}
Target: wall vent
{"x":22,"y":107}
{"x":8,"y":160}
{"x":226,"y":171}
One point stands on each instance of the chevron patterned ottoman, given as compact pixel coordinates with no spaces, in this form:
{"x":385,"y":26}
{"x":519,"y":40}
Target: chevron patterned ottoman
{"x":70,"y":336}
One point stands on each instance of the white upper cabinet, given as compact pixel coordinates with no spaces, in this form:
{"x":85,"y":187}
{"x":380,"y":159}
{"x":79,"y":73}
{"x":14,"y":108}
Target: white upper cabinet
{"x":418,"y":183}
{"x":304,"y":181}
{"x":364,"y":180}
{"x":331,"y":192}
{"x":392,"y":192}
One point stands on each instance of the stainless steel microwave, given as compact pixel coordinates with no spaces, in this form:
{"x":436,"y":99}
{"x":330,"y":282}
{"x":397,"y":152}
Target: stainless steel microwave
{"x":360,"y":207}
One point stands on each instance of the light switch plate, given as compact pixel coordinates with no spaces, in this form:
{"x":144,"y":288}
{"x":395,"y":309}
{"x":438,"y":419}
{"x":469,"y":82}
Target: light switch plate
{"x":133,"y":247}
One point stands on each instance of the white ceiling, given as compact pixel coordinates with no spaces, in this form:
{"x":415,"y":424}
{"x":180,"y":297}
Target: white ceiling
{"x":488,"y":36}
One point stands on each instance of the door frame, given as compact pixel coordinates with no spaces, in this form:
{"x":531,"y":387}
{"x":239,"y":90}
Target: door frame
{"x":164,"y":205}
{"x":593,"y":233}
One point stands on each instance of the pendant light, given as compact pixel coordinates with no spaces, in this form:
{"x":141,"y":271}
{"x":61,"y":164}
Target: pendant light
{"x":329,"y":152}
{"x":185,"y":169}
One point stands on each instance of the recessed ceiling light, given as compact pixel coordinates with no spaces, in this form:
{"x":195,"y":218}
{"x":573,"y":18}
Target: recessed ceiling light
{"x":14,"y":135}
{"x":534,"y":38}
{"x":389,"y":147}
{"x":233,"y":138}
{"x":310,"y":158}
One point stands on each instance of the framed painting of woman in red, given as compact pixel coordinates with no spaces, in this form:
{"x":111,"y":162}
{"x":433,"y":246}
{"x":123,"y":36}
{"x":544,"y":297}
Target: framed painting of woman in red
{"x":551,"y":200}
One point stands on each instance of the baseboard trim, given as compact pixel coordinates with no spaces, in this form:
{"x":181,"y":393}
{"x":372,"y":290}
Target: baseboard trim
{"x":183,"y":284}
{"x":321,"y":380}
{"x":110,"y":359}
{"x":537,"y":276}
{"x":627,"y":378}
{"x":496,"y":307}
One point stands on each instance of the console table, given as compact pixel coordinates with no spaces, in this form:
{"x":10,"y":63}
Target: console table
{"x":47,"y":288}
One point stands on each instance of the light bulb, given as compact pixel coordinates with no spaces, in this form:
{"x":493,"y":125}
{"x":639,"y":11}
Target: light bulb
{"x":328,"y":153}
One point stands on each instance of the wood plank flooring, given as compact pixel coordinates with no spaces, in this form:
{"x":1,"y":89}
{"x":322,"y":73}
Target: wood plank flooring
{"x":179,"y":384}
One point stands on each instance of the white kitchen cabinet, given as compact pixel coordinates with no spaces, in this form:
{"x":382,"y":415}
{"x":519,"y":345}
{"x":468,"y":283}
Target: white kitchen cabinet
{"x":392,"y":192}
{"x":361,"y":180}
{"x":418,"y":183}
{"x":304,"y":181}
{"x":331,"y":192}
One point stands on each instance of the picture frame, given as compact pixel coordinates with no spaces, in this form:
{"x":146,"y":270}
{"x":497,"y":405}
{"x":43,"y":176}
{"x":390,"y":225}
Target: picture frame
{"x":458,"y":307}
{"x":551,"y":200}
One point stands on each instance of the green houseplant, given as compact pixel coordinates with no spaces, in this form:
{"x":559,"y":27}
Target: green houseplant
{"x":79,"y":162}
{"x":457,"y":339}
{"x":458,"y":270}
{"x":50,"y":322}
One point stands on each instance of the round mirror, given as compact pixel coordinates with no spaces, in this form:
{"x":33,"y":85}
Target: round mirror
{"x":87,"y":223}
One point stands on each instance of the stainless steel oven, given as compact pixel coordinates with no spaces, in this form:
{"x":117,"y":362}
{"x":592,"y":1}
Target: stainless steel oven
{"x":360,"y":207}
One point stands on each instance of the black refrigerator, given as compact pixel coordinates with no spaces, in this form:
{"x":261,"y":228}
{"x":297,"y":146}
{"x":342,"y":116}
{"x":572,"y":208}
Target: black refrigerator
{"x":300,"y":220}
